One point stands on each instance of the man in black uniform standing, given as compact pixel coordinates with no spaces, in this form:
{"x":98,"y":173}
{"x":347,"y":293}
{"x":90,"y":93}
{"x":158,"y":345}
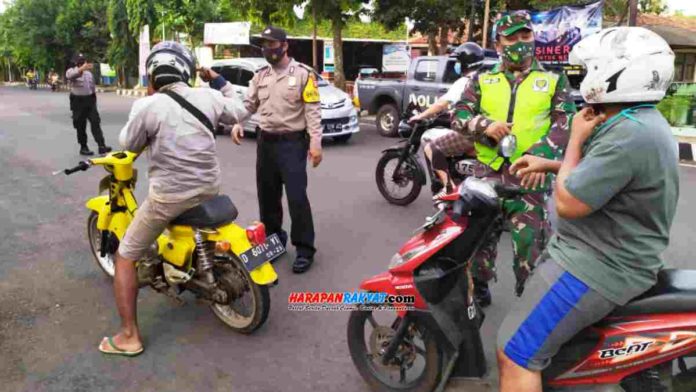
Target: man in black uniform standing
{"x":83,"y":104}
{"x":286,"y":97}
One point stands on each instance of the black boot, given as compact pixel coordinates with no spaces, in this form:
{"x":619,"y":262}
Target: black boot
{"x":103,"y":149}
{"x":482,"y":295}
{"x":84,"y":150}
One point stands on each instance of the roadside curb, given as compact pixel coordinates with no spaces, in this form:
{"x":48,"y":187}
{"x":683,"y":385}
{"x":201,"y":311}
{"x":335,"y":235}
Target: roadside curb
{"x":131,"y":93}
{"x":62,"y":87}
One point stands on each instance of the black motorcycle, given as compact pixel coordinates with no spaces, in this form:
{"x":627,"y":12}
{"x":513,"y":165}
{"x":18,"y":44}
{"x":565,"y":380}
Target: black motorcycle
{"x":400,"y":175}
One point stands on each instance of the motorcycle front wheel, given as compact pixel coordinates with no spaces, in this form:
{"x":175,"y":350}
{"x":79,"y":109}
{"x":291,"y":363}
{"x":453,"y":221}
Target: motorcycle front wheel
{"x":417,"y":365}
{"x":94,"y":236}
{"x":248,"y":305}
{"x":402,"y":186}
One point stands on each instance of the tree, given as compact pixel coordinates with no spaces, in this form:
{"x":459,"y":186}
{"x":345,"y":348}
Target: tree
{"x":35,"y":40}
{"x":338,"y":12}
{"x":656,"y":7}
{"x":80,"y":27}
{"x":270,"y":12}
{"x":141,"y":13}
{"x":123,"y":48}
{"x":432,"y":18}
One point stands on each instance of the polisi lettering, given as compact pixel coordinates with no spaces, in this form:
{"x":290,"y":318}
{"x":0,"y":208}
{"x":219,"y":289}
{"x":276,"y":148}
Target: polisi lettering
{"x":628,"y":350}
{"x":421,"y":100}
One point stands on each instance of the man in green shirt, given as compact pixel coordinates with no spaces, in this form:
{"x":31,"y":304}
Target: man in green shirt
{"x":616,"y":196}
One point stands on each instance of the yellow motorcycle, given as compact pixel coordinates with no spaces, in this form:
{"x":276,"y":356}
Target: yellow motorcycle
{"x":202,"y":250}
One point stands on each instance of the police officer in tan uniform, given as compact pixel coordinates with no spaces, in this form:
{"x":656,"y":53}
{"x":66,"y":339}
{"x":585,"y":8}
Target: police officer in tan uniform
{"x":286,"y":97}
{"x":83,"y":104}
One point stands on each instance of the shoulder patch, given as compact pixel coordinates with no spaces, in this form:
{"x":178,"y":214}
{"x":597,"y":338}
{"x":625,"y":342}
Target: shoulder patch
{"x":310,"y":93}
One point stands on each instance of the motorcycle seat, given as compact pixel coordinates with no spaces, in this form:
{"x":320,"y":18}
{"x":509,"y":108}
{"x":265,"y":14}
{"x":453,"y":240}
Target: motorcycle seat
{"x":215,"y":212}
{"x":674,"y":292}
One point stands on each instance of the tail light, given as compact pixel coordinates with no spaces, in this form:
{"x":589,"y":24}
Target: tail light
{"x":256,"y":233}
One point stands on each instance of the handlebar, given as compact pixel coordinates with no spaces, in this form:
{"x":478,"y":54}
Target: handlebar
{"x":509,"y":191}
{"x":82,"y":166}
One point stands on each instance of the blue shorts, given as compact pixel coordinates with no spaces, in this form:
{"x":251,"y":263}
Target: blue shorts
{"x":555,"y":306}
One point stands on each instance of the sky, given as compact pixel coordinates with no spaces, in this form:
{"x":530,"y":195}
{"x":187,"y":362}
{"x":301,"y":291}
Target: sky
{"x":687,"y":6}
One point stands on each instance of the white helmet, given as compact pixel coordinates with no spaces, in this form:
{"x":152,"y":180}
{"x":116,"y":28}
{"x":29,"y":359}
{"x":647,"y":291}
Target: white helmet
{"x":624,"y":64}
{"x":170,"y":61}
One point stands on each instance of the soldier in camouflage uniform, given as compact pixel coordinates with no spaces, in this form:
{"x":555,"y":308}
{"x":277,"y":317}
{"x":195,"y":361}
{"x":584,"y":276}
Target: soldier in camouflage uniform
{"x":517,"y":96}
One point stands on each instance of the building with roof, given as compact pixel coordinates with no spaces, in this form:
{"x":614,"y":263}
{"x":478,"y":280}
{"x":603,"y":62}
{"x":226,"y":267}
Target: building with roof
{"x":680,"y":34}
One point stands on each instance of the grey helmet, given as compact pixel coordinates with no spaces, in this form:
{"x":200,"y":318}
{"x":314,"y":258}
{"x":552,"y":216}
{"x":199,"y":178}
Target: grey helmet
{"x":170,"y":62}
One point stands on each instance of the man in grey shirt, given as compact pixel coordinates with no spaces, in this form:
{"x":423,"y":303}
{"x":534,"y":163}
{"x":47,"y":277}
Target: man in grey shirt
{"x":83,"y":104}
{"x":183,"y":169}
{"x":616,"y":196}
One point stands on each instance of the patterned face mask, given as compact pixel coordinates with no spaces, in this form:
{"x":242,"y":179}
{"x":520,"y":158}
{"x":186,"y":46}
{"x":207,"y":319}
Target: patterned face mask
{"x":518,"y":52}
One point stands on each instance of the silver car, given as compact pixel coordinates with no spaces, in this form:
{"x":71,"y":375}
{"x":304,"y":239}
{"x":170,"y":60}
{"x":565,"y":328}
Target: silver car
{"x":338,"y":115}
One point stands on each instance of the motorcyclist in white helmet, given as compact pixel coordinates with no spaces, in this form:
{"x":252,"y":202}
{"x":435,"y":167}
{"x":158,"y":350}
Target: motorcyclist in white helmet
{"x":616,"y":195}
{"x":183,"y":168}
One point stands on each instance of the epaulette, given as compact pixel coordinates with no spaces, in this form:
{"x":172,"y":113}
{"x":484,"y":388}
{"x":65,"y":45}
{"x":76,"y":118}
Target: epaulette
{"x":307,"y":67}
{"x":263,"y":68}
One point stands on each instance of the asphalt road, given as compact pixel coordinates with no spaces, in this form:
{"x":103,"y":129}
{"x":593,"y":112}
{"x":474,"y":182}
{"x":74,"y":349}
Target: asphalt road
{"x":55,"y":303}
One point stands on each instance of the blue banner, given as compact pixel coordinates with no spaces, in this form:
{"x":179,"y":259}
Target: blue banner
{"x":556,"y":31}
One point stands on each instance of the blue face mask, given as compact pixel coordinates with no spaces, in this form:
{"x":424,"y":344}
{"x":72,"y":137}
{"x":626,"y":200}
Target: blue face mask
{"x":626,"y":113}
{"x":458,"y":68}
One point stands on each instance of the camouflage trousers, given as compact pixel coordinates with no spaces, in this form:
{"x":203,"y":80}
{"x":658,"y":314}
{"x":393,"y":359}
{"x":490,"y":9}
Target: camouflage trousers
{"x":529,"y":228}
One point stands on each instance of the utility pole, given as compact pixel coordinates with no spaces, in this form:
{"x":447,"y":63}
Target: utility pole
{"x":485,"y":23}
{"x":314,"y":36}
{"x":472,"y":16}
{"x":632,"y":12}
{"x":163,"y":35}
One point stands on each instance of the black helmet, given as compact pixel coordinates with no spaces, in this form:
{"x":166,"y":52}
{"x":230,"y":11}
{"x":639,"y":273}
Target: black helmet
{"x":79,"y":59}
{"x":470,"y":55}
{"x":170,"y":62}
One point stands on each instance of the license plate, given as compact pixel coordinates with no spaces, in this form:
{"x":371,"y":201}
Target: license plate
{"x":262,"y":253}
{"x":333,"y":128}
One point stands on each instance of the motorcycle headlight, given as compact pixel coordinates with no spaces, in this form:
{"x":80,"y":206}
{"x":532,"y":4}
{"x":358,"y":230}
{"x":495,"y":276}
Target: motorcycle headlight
{"x":396,"y":261}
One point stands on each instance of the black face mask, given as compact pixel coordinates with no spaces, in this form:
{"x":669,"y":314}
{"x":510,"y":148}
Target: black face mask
{"x":273,"y":56}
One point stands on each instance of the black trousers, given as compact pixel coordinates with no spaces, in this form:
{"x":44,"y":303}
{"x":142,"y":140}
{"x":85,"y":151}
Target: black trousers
{"x":283,"y":161}
{"x":84,"y":107}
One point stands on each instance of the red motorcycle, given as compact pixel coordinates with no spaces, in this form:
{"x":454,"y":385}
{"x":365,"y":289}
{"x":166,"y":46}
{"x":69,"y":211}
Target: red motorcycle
{"x":632,"y":350}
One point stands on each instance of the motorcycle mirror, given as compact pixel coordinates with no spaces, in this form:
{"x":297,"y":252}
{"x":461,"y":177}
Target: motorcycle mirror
{"x":405,"y":129}
{"x":508,"y":146}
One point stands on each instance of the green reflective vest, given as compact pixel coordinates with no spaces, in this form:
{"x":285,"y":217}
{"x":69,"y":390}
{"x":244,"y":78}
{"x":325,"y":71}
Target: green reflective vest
{"x":527,"y":106}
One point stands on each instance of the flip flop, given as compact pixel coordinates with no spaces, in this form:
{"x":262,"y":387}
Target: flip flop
{"x":115,"y":350}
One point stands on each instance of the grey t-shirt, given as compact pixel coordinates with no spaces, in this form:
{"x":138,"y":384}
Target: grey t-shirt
{"x":629,"y":177}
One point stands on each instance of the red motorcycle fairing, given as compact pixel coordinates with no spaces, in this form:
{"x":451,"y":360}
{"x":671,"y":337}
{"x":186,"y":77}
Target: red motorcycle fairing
{"x":399,"y":280}
{"x":425,"y":244}
{"x":627,"y":345}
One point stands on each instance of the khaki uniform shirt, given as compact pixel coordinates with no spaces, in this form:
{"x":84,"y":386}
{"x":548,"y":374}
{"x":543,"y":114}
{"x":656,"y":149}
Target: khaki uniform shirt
{"x":81,"y":83}
{"x":287,"y":100}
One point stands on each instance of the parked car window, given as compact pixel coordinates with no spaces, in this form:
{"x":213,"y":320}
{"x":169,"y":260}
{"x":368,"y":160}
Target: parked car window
{"x":230,"y":73}
{"x":245,"y":77}
{"x":321,"y":82}
{"x":426,"y":71}
{"x":451,"y":75}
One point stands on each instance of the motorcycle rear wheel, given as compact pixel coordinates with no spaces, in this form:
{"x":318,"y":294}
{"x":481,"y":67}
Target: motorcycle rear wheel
{"x":375,"y":373}
{"x":406,"y":180}
{"x":232,"y":276}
